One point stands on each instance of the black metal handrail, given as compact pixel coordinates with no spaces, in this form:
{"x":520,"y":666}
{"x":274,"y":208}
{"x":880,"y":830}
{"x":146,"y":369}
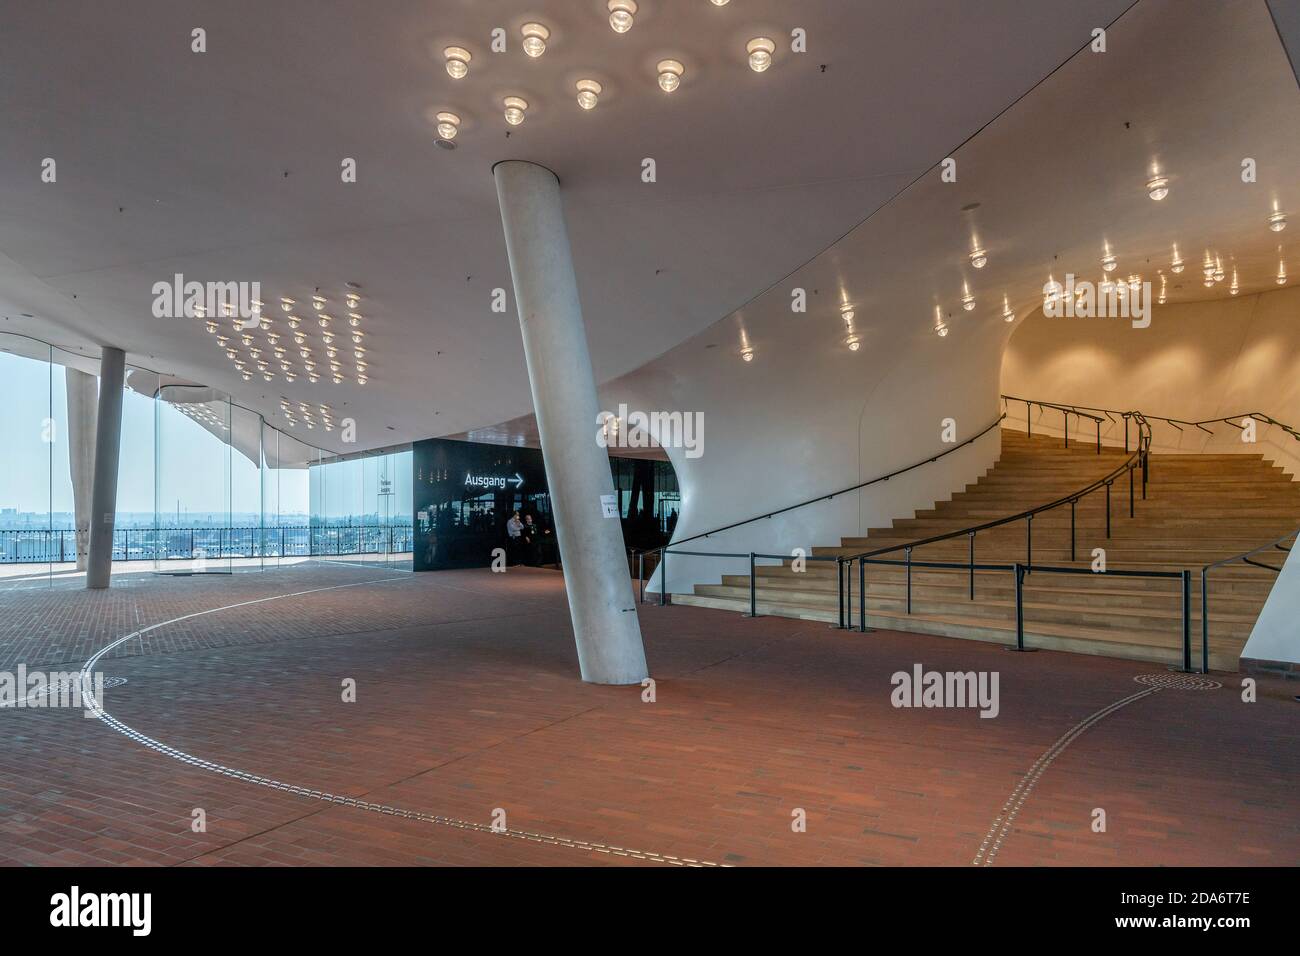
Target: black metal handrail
{"x":1139,"y":458}
{"x":1066,"y":412}
{"x":1175,"y":422}
{"x":844,"y":602}
{"x":1245,"y":558}
{"x":833,"y":494}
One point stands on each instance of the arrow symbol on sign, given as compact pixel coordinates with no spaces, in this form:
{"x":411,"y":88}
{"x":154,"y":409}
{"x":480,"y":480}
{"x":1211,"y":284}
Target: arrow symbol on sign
{"x":517,"y":480}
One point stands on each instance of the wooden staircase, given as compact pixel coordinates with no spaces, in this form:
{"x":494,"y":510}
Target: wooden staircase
{"x":1199,"y":509}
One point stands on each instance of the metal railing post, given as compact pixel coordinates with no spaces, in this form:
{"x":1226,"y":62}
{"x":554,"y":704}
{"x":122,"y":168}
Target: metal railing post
{"x":839,"y":583}
{"x":848,"y":595}
{"x":663,"y":576}
{"x":1073,"y":503}
{"x":908,"y":556}
{"x":862,"y":593}
{"x":1108,"y":509}
{"x":972,"y":565}
{"x":1029,"y":542}
{"x":1066,"y":416}
{"x":1020,"y":608}
{"x":1099,"y":437}
{"x":1126,"y":434}
{"x":1130,"y":491}
{"x":1187,"y":620}
{"x":753,"y":594}
{"x":1029,"y":426}
{"x":1205,"y":622}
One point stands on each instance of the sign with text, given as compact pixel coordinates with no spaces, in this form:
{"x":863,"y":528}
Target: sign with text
{"x":464,"y":495}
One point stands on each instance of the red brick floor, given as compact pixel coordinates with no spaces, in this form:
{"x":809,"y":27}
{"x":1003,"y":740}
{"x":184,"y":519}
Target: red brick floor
{"x":468,"y":700}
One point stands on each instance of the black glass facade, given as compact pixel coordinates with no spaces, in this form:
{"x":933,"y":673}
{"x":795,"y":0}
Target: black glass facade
{"x":465,"y":494}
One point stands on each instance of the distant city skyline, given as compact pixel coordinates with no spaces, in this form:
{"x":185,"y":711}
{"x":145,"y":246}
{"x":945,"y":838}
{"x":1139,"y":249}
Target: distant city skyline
{"x":200,"y":474}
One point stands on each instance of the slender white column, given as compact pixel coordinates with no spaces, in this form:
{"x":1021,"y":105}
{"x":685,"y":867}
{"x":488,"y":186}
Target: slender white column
{"x":108,"y":440}
{"x":82,"y":392}
{"x":564,"y":400}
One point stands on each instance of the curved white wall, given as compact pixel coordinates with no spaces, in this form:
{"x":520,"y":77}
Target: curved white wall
{"x":1196,"y":361}
{"x":796,"y":423}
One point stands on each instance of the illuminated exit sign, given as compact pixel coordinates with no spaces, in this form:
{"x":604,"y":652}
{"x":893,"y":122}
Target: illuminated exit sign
{"x":493,"y":481}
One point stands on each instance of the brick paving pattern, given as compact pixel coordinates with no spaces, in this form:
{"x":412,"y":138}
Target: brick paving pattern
{"x":468,"y":700}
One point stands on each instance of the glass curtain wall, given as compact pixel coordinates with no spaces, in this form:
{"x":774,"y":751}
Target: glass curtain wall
{"x":361,"y":507}
{"x":204,"y":485}
{"x":135,"y":538}
{"x":198,"y":529}
{"x":33,"y":438}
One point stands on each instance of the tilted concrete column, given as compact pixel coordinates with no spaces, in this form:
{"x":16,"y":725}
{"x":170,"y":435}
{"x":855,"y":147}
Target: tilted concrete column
{"x":108,"y":440}
{"x":564,"y":400}
{"x":82,"y":395}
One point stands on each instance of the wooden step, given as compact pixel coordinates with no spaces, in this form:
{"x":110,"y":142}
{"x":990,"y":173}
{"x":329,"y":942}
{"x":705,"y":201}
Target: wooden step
{"x":1198,"y":509}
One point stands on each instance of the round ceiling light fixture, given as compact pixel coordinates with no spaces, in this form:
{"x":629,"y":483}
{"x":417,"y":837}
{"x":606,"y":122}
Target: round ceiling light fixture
{"x":588,"y":94}
{"x":448,"y":125}
{"x":515,"y":107}
{"x":719,"y":3}
{"x":1108,"y":261}
{"x":670,"y":74}
{"x":620,"y":14}
{"x":535,"y":37}
{"x":457,"y":61}
{"x":1052,"y":290}
{"x":747,"y":354}
{"x":1176,"y":264}
{"x":1277,"y":221}
{"x":760,"y":50}
{"x":1158,"y":188}
{"x":853,"y":343}
{"x":967,"y":300}
{"x":979,"y":259}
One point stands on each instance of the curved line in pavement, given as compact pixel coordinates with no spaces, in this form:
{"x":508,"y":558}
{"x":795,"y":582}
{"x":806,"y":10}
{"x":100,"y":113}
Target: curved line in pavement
{"x":97,"y":710}
{"x":1001,"y":827}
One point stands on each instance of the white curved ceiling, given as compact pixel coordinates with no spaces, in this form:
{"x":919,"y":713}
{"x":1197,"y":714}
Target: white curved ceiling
{"x":1194,"y":86}
{"x":226,"y":166}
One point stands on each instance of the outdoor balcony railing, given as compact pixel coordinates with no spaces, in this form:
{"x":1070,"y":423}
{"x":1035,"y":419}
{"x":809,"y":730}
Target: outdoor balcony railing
{"x":172,"y":544}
